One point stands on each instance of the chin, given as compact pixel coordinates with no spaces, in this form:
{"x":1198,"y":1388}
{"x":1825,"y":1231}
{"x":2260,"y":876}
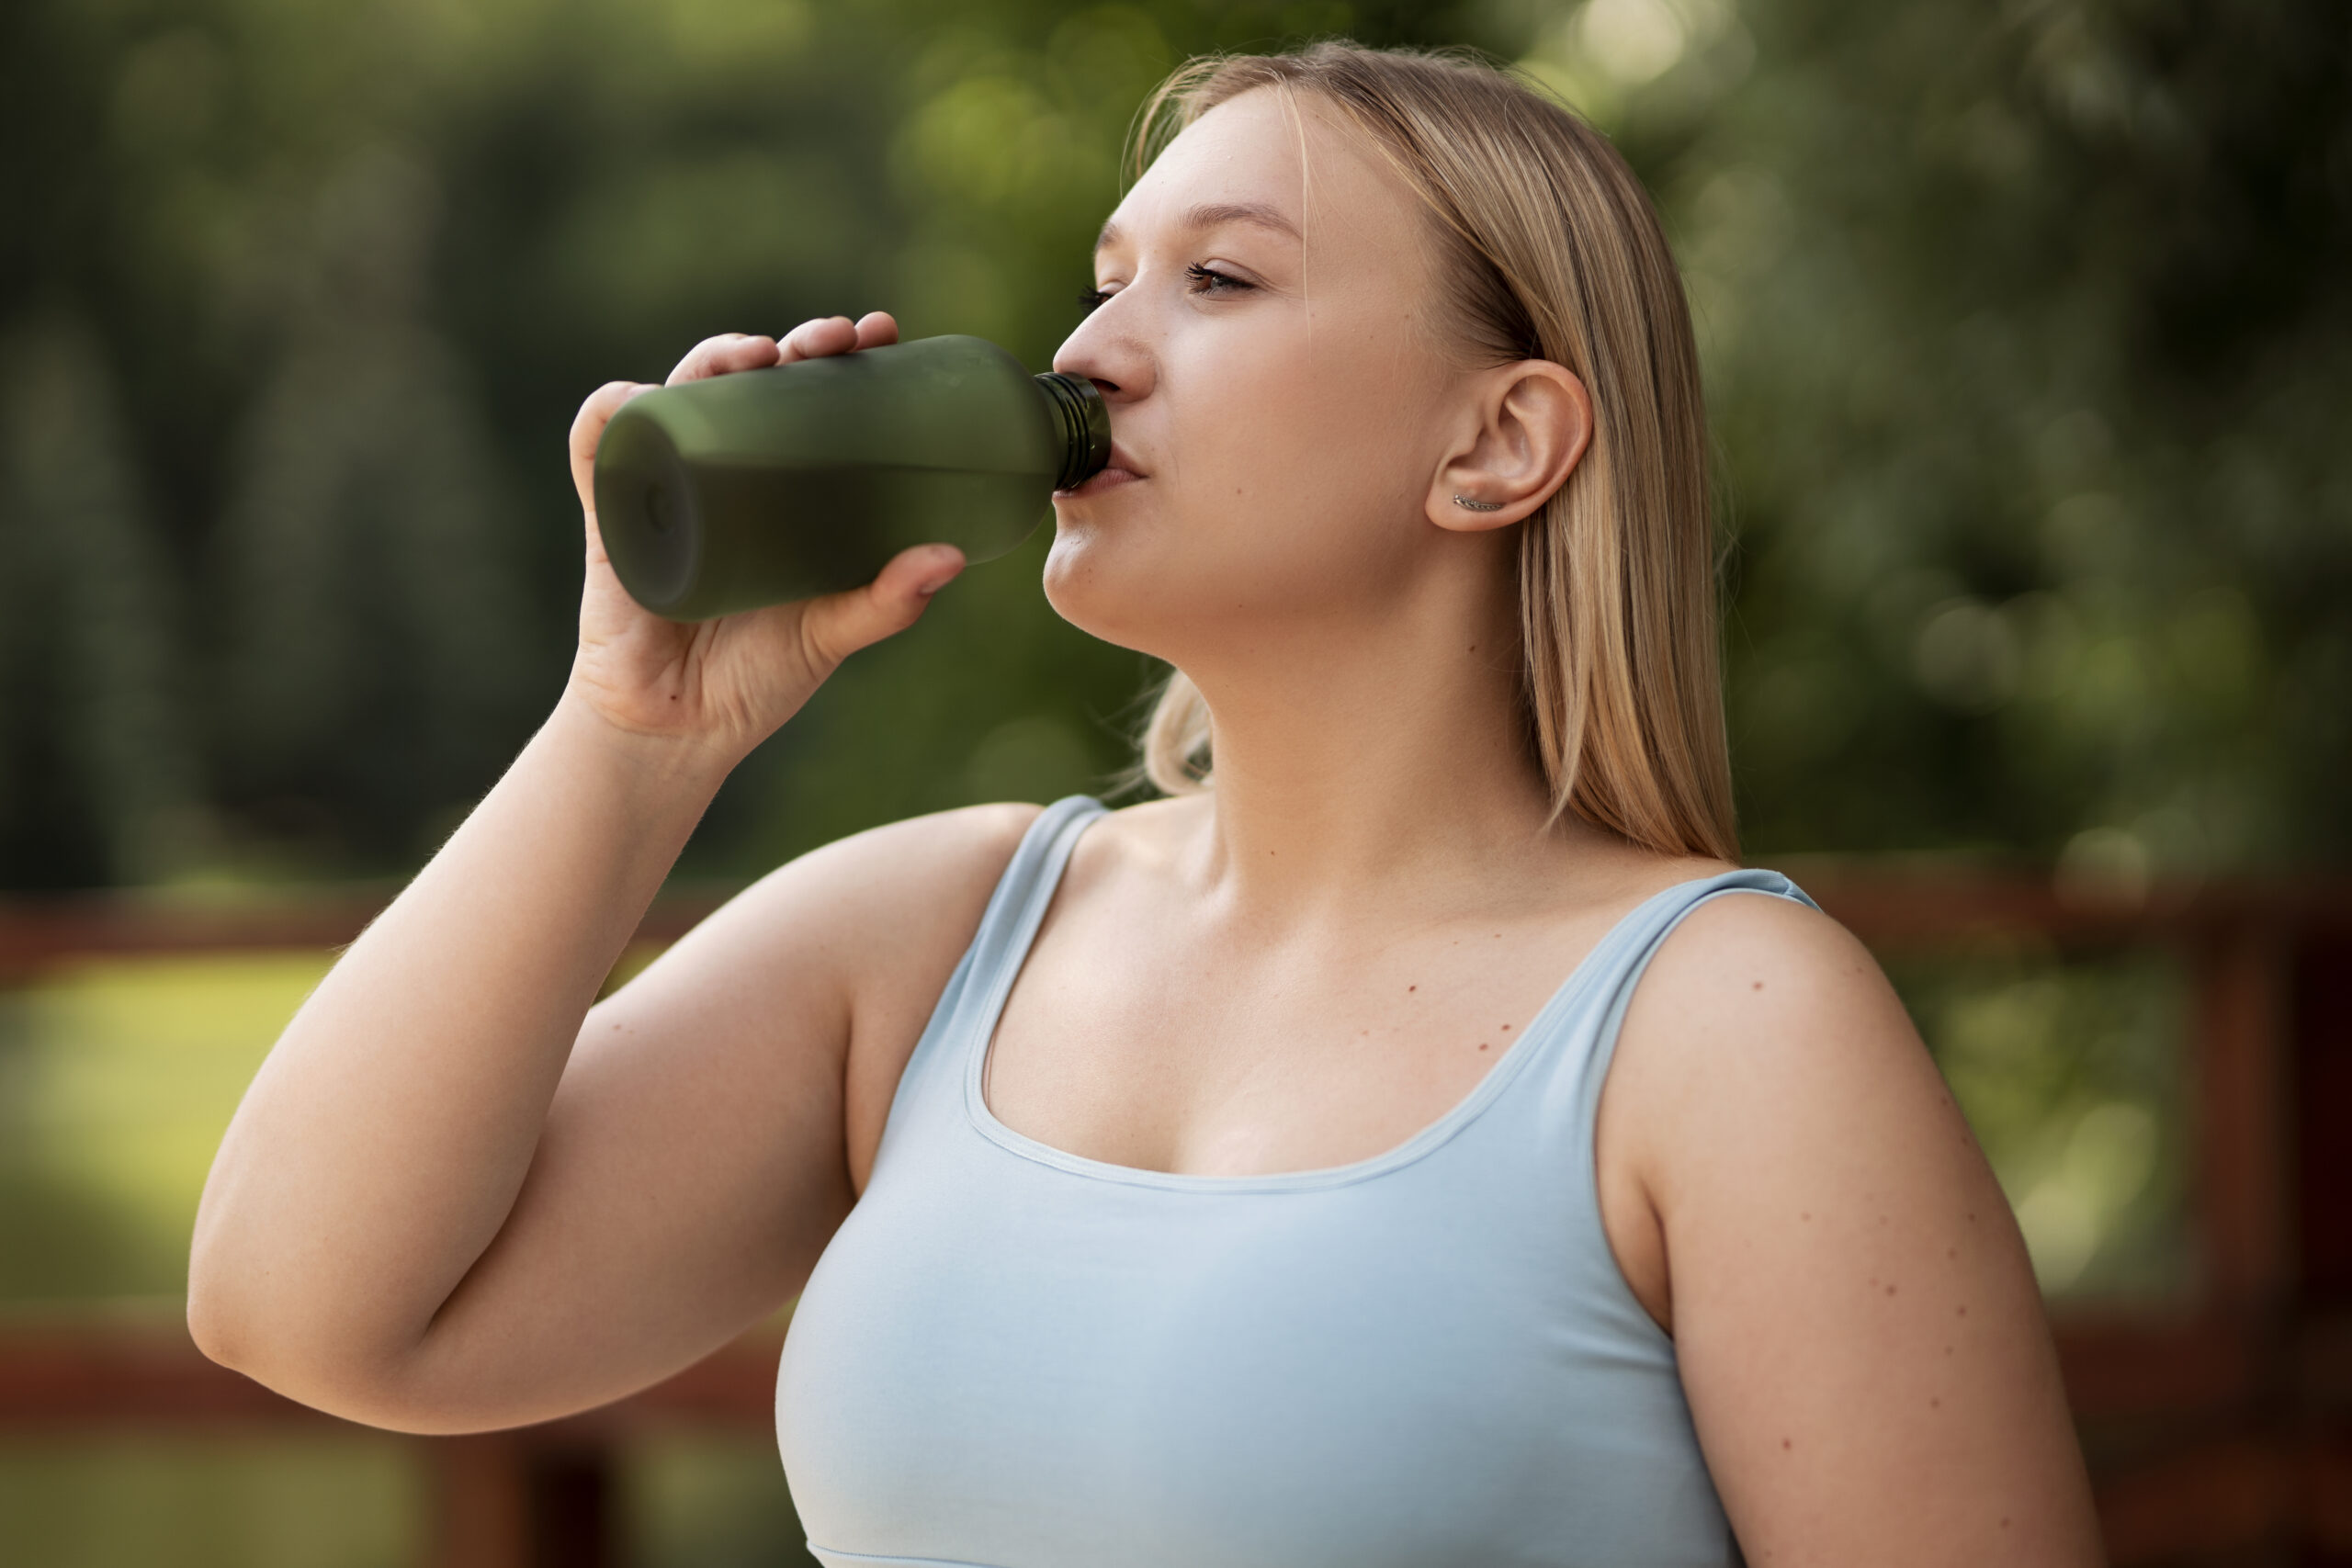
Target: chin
{"x":1084,"y":581}
{"x":1101,"y":579}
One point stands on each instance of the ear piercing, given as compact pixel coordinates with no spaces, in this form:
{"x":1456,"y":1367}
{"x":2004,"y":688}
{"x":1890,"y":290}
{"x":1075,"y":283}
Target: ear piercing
{"x":1477,"y":505}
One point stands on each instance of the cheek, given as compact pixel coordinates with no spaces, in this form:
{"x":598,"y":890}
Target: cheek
{"x":1290,"y":493}
{"x":1295,"y":437}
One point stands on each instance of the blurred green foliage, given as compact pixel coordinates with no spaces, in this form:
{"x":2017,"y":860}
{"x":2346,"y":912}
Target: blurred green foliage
{"x":709,"y":1500}
{"x":295,"y":309}
{"x":118,"y":1078}
{"x":2030,"y":329}
{"x":2025,"y":325}
{"x":359,"y":1500}
{"x":194,"y":1501}
{"x":2070,"y":1072}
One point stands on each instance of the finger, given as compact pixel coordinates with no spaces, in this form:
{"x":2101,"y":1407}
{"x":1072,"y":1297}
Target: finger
{"x":588,"y":428}
{"x":838,"y":625}
{"x":727,"y":352}
{"x":876,"y":329}
{"x":815,"y":339}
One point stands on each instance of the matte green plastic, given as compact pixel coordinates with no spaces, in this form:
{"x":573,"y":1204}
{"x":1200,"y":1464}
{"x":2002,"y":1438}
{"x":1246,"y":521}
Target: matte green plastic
{"x":767,"y":485}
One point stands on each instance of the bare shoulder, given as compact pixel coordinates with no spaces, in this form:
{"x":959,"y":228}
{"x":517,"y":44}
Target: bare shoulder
{"x":1761,"y":989}
{"x":902,"y":903}
{"x":1765,"y":1054}
{"x":1853,"y":1311}
{"x":834,"y":922}
{"x":1755,"y":949}
{"x":887,"y":888}
{"x":844,"y":949}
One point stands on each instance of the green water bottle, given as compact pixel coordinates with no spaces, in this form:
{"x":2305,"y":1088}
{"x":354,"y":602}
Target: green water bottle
{"x":766,"y":485}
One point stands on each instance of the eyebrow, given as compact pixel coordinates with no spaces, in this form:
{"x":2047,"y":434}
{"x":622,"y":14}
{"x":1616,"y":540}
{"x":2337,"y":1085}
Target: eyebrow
{"x":1208,"y":215}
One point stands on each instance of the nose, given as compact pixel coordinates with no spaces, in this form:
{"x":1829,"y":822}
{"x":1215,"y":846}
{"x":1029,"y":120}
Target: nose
{"x":1105,"y":350}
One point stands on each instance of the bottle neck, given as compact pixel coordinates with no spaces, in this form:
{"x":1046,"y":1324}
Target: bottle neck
{"x":1083,"y":420}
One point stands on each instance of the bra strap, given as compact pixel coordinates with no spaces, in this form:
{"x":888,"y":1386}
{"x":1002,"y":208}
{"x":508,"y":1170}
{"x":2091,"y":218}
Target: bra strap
{"x":1018,"y":906}
{"x":1641,"y":938}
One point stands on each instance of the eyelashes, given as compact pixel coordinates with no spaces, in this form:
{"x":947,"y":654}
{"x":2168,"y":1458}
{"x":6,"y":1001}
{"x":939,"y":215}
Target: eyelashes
{"x":1205,"y":281}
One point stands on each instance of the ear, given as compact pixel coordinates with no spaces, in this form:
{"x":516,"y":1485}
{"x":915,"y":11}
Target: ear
{"x":1526,"y":426}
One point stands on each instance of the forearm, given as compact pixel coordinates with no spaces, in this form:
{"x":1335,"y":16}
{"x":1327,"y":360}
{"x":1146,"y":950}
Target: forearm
{"x":381,"y":1145}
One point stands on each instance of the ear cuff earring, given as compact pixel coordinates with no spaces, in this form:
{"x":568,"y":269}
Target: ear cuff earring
{"x":1477,"y":505}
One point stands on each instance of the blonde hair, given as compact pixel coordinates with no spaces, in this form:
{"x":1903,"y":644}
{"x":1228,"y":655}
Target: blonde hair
{"x":1548,"y":248}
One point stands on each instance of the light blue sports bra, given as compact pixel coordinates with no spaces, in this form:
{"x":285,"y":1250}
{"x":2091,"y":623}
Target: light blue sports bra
{"x":1010,"y":1357}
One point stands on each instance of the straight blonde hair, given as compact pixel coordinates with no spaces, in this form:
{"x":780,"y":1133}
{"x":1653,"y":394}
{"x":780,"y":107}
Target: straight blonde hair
{"x":1547,"y":248}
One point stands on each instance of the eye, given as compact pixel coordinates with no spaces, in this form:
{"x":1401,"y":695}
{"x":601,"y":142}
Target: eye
{"x":1205,"y":281}
{"x":1091,"y":298}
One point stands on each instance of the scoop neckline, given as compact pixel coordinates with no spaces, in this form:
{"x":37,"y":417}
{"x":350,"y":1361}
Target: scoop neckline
{"x":1426,"y":1141}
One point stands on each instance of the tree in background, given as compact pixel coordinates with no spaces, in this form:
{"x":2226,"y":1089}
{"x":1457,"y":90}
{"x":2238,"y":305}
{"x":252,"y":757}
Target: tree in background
{"x":2030,"y":335}
{"x":2026,"y":331}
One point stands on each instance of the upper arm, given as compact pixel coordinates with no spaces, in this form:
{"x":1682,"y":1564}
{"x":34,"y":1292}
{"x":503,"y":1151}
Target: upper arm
{"x":1859,"y":1335}
{"x":696,"y":1155}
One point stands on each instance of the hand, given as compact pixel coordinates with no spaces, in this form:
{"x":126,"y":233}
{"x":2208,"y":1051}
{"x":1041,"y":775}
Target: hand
{"x":729,"y":683}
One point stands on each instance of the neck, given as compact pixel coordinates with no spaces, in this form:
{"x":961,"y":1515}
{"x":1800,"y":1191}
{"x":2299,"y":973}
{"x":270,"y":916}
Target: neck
{"x":1381,"y":756}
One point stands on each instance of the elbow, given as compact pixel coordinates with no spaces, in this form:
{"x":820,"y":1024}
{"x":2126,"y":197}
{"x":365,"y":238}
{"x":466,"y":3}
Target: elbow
{"x":305,"y":1366}
{"x":366,"y":1395}
{"x":214,"y":1322}
{"x":211,"y":1328}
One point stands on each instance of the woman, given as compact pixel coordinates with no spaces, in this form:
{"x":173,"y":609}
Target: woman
{"x":1227,"y":1178}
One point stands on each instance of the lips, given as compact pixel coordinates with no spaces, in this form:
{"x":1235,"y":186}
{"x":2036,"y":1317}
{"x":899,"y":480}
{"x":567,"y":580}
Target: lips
{"x":1121,"y":469}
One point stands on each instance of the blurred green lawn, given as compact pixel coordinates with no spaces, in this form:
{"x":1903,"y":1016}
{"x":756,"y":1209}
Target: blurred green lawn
{"x":156,"y":1500}
{"x":116,"y":1079}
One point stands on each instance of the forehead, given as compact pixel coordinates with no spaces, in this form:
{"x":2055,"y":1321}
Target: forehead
{"x":1291,"y":169}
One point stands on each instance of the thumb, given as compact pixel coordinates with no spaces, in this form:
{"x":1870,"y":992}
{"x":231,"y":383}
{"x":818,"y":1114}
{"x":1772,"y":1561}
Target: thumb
{"x":838,"y":625}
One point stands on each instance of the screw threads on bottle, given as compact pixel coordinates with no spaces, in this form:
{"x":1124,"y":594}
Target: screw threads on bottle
{"x":1084,"y":422}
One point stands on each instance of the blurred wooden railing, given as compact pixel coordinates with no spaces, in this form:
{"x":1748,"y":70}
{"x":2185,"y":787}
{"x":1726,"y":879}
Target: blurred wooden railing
{"x":2219,"y":1427}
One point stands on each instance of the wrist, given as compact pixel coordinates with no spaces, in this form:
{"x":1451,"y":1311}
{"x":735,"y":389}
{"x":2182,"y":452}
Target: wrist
{"x":677,"y":763}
